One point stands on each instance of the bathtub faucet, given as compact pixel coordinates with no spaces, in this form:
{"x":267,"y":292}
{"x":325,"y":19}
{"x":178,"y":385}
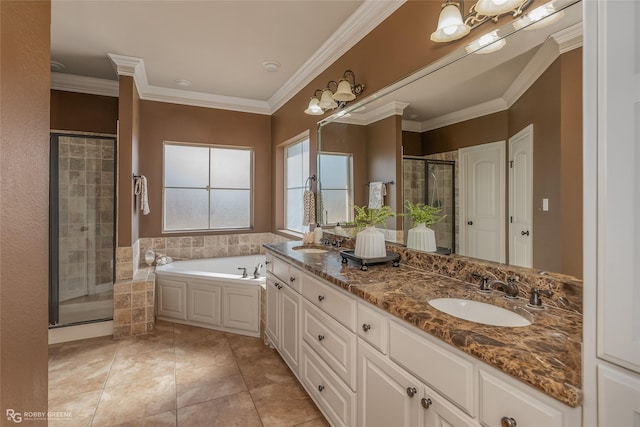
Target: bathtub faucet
{"x":256,"y":272}
{"x":244,"y":272}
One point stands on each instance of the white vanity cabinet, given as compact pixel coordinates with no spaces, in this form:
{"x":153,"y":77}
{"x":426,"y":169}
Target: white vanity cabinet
{"x":363,"y":366}
{"x":282,"y":320}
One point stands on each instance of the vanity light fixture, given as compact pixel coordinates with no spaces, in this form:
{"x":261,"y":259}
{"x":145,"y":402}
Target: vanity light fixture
{"x":347,"y":89}
{"x":453,"y":26}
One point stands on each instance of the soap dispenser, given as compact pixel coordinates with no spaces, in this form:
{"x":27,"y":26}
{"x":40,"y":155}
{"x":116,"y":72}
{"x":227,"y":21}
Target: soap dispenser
{"x":317,"y":234}
{"x":338,"y":230}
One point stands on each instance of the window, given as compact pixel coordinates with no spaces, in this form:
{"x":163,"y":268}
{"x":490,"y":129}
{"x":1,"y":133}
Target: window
{"x":296,"y":157}
{"x":207,"y":187}
{"x":335,"y":170}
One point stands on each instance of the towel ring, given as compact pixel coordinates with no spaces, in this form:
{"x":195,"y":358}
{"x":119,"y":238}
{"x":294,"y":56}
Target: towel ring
{"x":307,"y":185}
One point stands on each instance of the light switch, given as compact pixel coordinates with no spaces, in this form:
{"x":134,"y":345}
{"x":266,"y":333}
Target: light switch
{"x":545,"y":205}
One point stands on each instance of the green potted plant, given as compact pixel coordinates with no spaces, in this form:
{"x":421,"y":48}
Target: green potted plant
{"x":421,"y":236}
{"x":369,"y":239}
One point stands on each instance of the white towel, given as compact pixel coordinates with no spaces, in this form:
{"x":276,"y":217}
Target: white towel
{"x":140,"y":189}
{"x":309,"y":215}
{"x":377,"y":191}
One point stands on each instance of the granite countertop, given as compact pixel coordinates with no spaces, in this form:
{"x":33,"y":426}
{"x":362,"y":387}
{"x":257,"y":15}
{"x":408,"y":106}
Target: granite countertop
{"x":546,"y":355}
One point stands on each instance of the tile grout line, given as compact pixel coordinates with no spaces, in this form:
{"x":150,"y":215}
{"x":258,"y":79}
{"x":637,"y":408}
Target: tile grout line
{"x":105,"y":383}
{"x":235,"y":358}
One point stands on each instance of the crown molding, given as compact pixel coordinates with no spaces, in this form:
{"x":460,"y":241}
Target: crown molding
{"x":411,"y":126}
{"x":368,"y":16}
{"x":570,"y":38}
{"x":81,"y":84}
{"x":394,"y":108}
{"x":130,"y":66}
{"x":489,"y":107}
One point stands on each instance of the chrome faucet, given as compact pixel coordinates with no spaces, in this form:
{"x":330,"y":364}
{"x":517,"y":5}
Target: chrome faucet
{"x":484,"y":281}
{"x":534,"y":299}
{"x":244,"y":272}
{"x":510,"y":288}
{"x":256,"y":272}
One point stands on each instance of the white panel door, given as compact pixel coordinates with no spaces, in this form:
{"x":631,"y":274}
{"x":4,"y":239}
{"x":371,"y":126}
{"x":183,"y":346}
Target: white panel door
{"x":521,"y":198}
{"x":241,"y":308}
{"x":203,"y":303}
{"x":172,"y":299}
{"x":619,"y":184}
{"x":482,"y":194}
{"x":290,"y":326}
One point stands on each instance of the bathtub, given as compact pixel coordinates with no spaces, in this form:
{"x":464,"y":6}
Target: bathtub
{"x":212,"y":293}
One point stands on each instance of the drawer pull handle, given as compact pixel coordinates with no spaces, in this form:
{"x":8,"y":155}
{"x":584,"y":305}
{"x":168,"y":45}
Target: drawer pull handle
{"x":411,"y":391}
{"x":426,"y":403}
{"x":320,"y":298}
{"x":366,"y":327}
{"x":320,"y":387}
{"x":508,"y":422}
{"x":292,"y":279}
{"x":320,"y":337}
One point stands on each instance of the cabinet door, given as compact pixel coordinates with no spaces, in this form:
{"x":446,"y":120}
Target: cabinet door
{"x":618,"y":397}
{"x":272,"y":309}
{"x":172,"y":299}
{"x":289,"y":326}
{"x":384,"y":391}
{"x":241,"y":308}
{"x":618,"y":184}
{"x":438,"y":411}
{"x":204,"y":304}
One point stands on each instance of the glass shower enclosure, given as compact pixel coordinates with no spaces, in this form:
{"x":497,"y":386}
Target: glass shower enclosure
{"x":432,"y":182}
{"x":82,"y":229}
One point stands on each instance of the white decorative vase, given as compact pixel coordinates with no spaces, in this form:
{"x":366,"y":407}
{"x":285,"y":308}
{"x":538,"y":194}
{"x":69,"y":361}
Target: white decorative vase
{"x":422,"y":238}
{"x":370,"y":243}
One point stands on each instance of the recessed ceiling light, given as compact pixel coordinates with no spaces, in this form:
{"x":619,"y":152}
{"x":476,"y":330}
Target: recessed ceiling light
{"x":56,"y":66}
{"x":271,"y":66}
{"x":183,"y":83}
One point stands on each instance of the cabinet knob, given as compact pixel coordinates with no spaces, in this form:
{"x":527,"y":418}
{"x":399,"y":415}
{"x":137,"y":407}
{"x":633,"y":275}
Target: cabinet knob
{"x":469,"y":222}
{"x":320,"y":298}
{"x":320,"y":337}
{"x":525,"y":233}
{"x":411,"y":391}
{"x":426,"y":402}
{"x":366,"y":327}
{"x":320,"y":387}
{"x":508,"y":422}
{"x":267,"y":262}
{"x":292,"y":279}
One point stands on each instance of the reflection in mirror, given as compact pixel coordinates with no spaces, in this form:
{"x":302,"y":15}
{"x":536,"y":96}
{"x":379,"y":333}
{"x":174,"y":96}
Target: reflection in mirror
{"x":509,"y":121}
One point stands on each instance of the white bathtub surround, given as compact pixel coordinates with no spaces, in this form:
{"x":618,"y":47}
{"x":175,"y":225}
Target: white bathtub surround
{"x":213,"y":246}
{"x":213,"y":293}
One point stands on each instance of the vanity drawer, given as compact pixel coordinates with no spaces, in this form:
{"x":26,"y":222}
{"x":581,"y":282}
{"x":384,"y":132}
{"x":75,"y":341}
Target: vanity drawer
{"x":439,"y":368}
{"x":373,"y":327}
{"x":285,"y":273}
{"x":333,"y":397}
{"x":499,"y":400}
{"x":340,"y":306}
{"x":332,"y":341}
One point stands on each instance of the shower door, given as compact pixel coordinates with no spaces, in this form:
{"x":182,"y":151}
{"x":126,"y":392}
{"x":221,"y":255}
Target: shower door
{"x":82,"y":229}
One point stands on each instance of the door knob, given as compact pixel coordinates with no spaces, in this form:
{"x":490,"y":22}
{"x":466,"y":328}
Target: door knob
{"x":525,"y":233}
{"x":469,"y":222}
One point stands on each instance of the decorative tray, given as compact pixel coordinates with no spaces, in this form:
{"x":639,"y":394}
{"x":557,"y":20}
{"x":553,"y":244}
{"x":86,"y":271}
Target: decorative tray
{"x":392,"y":257}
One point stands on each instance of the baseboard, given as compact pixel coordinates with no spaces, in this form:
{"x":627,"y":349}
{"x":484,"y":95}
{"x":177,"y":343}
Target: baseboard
{"x":80,"y":332}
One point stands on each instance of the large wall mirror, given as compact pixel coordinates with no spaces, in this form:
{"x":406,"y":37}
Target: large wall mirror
{"x":492,"y":136}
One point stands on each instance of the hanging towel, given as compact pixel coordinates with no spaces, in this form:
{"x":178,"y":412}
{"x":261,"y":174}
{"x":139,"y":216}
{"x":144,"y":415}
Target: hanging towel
{"x":377,"y":191}
{"x":140,"y":189}
{"x":309,"y":215}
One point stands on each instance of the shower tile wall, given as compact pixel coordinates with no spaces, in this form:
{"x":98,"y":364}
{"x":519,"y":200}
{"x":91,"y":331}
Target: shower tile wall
{"x":86,"y":186}
{"x":414,"y":190}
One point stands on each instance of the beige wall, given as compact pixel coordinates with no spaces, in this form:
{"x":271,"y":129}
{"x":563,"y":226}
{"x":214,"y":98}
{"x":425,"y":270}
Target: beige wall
{"x":24,"y":194}
{"x":83,"y":112}
{"x":161,"y":122}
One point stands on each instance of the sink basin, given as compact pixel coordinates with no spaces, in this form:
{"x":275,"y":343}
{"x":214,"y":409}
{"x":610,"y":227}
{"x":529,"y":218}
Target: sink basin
{"x":479,"y":312}
{"x":310,"y":250}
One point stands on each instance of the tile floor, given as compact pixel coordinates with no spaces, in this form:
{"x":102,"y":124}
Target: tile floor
{"x":178,"y":376}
